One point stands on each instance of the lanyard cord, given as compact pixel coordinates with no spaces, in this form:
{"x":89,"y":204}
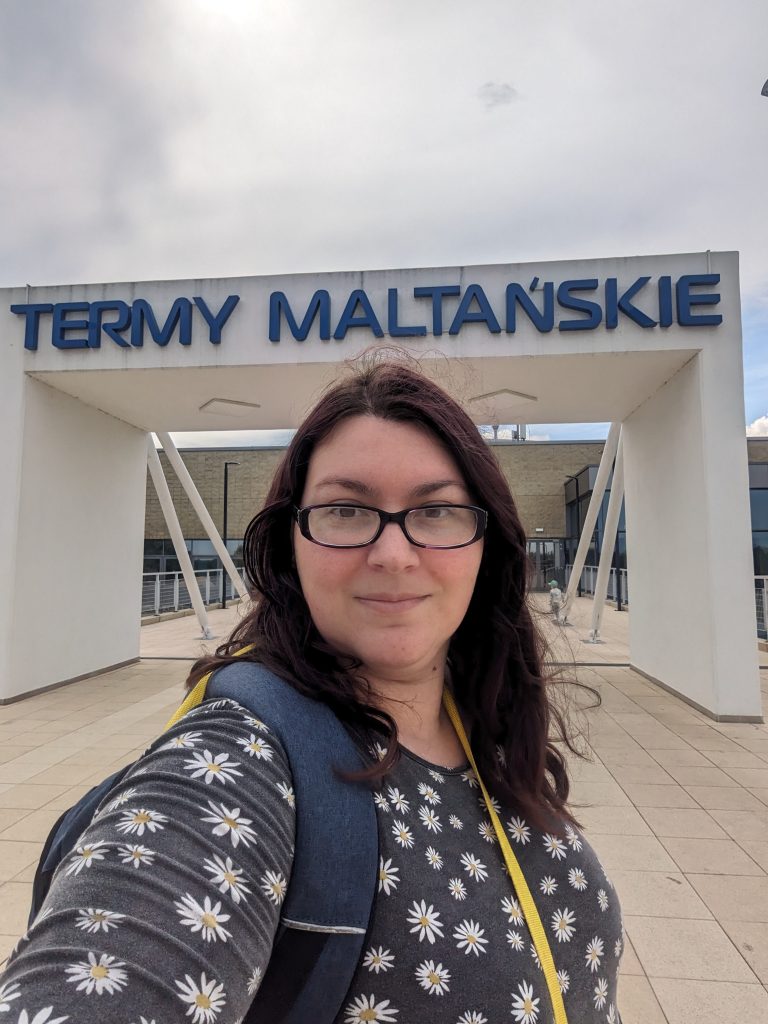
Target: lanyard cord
{"x":530,"y":912}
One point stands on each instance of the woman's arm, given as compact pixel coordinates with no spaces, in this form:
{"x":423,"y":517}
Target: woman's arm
{"x":168,"y":907}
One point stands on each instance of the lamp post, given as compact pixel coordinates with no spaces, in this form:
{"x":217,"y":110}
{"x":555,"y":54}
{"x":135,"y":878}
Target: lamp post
{"x":224,"y":532}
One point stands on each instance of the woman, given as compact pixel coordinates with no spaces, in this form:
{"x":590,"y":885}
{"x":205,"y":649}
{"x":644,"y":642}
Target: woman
{"x":391,"y":567}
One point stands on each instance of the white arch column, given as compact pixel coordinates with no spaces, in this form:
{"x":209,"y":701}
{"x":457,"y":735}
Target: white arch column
{"x":689,"y":560}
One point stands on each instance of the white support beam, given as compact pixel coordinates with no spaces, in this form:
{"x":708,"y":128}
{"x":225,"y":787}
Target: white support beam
{"x":204,"y":515}
{"x":608,"y":544}
{"x":174,"y":528}
{"x":601,"y":481}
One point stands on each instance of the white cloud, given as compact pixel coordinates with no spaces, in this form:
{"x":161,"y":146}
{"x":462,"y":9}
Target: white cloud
{"x":758,"y":427}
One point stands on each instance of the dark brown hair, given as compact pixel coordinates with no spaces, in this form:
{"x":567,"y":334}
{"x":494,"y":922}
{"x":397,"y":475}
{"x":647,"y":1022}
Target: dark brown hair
{"x":496,"y":655}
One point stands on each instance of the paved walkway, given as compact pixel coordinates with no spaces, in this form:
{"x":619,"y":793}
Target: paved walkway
{"x":675,"y":804}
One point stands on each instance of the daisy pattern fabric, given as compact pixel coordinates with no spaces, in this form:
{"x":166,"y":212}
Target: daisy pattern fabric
{"x":448,"y":942}
{"x":191,"y":858}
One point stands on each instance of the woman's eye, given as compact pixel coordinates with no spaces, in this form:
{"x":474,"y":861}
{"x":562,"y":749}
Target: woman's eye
{"x":345,"y":511}
{"x":441,"y":512}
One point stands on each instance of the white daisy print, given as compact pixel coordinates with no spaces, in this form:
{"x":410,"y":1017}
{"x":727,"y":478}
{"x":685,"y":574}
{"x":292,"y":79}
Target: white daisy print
{"x":185,"y":741}
{"x":139,"y":820}
{"x":425,"y":921}
{"x":594,"y":953}
{"x":515,"y":939}
{"x":535,"y":955}
{"x":602,"y":899}
{"x":433,"y":977}
{"x":228,"y":821}
{"x":378,"y":959}
{"x":611,"y":1017}
{"x":511,"y":907}
{"x":430,"y":794}
{"x":206,"y":919}
{"x":256,"y":723}
{"x":254,"y":981}
{"x":555,"y":847}
{"x":457,"y":889}
{"x":436,"y":776}
{"x":136,"y":855}
{"x":403,"y":835}
{"x":430,"y":820}
{"x":286,"y":792}
{"x":577,"y":879}
{"x":455,"y":822}
{"x":205,"y":1000}
{"x":92,"y":920}
{"x":618,"y":948}
{"x":7,"y":994}
{"x":365,"y":1008}
{"x":389,"y":877}
{"x":562,"y":924}
{"x":525,"y":1009}
{"x":474,"y":867}
{"x":210,"y":767}
{"x":470,"y":938}
{"x":84,"y":857}
{"x":434,"y":858}
{"x":501,"y":756}
{"x":572,"y":838}
{"x":103,"y":975}
{"x":487,"y":831}
{"x":564,"y":981}
{"x":123,"y":798}
{"x":470,"y":778}
{"x":548,"y":885}
{"x":378,"y":751}
{"x":256,"y":747}
{"x":472,"y":1017}
{"x":274,"y":886}
{"x":398,"y":801}
{"x":600,"y":993}
{"x":227,"y":877}
{"x":381,"y":802}
{"x":41,"y":1017}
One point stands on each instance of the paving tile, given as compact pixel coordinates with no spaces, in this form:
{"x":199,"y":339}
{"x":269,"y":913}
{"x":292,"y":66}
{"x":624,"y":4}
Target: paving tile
{"x":15,"y":899}
{"x":629,"y":963}
{"x":635,"y":853}
{"x":16,"y":855}
{"x":711,"y":1002}
{"x":760,"y":794}
{"x":10,"y":753}
{"x":634,"y":756}
{"x":743,"y":824}
{"x":33,"y":827}
{"x":682,"y":821}
{"x":701,"y":776}
{"x":31,"y":797}
{"x":757,"y":850}
{"x":686,"y":757}
{"x":754,"y":777}
{"x":658,"y":894}
{"x":723,"y":798}
{"x":7,"y":943}
{"x":671,"y":948}
{"x":620,"y":821}
{"x":607,"y":794}
{"x":705,"y":738}
{"x":642,"y":795}
{"x":643,"y":775}
{"x":638,"y":1003}
{"x":63,"y":774}
{"x":736,"y":759}
{"x":751,"y":940}
{"x":732,"y":897}
{"x":711,"y":856}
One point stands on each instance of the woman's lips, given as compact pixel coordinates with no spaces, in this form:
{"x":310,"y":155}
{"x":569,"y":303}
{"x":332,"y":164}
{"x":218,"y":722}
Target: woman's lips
{"x":392,"y":605}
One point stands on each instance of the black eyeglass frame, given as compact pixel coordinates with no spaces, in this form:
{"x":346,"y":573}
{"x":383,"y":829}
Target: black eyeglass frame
{"x":302,"y":518}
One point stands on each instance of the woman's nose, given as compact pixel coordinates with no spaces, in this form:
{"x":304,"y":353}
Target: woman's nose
{"x":393,"y":551}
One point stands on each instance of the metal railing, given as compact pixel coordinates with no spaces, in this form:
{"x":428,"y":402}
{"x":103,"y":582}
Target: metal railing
{"x":167,"y":591}
{"x":761,"y":606}
{"x":589,"y":579}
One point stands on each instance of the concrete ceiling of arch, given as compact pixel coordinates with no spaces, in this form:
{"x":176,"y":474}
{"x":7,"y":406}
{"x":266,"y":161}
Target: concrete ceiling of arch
{"x":527,"y":389}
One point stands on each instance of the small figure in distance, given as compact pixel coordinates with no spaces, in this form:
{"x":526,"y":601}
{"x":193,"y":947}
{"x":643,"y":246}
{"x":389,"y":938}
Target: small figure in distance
{"x":555,"y":599}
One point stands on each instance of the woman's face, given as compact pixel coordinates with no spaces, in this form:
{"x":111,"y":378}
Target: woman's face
{"x":392,"y":605}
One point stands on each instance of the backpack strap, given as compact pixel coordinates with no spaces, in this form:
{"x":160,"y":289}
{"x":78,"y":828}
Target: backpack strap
{"x":327,"y":909}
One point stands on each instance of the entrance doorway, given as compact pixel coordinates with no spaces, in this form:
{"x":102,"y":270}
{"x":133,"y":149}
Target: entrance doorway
{"x":547,"y":559}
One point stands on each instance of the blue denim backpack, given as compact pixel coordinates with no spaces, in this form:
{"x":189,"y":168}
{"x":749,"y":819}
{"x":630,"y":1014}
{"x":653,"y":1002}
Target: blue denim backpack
{"x":327,"y":908}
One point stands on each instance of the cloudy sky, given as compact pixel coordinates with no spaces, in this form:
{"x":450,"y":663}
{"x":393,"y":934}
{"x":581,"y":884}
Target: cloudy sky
{"x":207,"y":138}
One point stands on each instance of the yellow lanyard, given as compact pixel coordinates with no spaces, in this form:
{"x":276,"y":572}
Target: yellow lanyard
{"x":530,"y":912}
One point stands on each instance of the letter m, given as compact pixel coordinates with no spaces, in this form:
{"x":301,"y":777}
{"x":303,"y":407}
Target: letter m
{"x":320,"y":303}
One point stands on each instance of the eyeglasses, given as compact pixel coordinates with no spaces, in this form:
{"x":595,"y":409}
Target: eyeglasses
{"x":356,"y":526}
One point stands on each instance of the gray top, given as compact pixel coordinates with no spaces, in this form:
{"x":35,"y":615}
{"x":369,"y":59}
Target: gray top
{"x":167,"y":909}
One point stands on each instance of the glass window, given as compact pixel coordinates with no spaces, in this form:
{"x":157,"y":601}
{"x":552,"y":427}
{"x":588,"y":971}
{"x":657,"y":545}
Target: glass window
{"x":758,"y":474}
{"x":758,"y":504}
{"x":760,"y":552}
